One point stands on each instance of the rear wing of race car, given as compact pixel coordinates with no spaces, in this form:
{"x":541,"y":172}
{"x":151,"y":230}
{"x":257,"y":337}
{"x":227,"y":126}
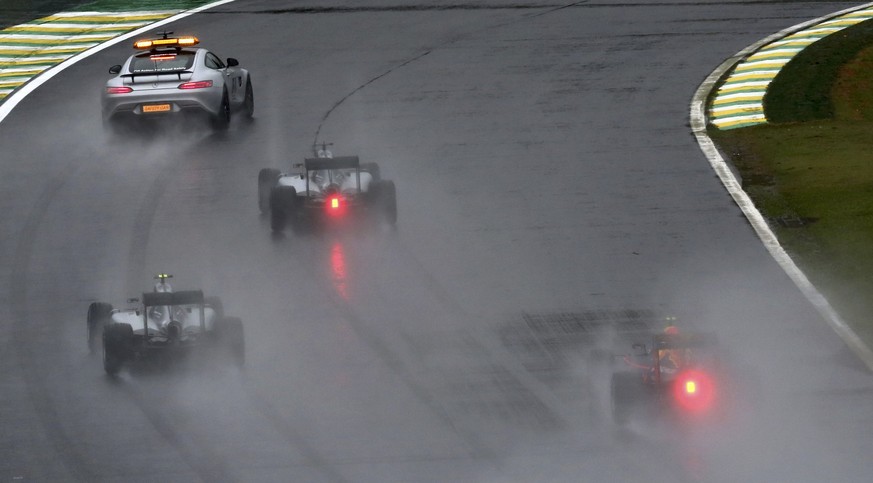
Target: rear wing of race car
{"x":184,"y":297}
{"x":340,"y":162}
{"x":684,"y":341}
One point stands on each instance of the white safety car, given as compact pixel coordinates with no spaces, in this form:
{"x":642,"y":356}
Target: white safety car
{"x":169,"y":76}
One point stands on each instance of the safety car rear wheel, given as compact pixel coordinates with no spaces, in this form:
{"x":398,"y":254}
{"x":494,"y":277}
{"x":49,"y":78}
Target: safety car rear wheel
{"x":267,"y":178}
{"x":117,"y":346}
{"x":221,"y":121}
{"x":249,"y":102}
{"x":99,"y":314}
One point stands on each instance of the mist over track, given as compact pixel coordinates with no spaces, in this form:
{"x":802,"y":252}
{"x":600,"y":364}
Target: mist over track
{"x":546,"y":175}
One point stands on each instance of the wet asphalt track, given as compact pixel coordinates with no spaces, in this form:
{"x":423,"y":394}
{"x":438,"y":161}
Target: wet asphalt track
{"x":544,"y":167}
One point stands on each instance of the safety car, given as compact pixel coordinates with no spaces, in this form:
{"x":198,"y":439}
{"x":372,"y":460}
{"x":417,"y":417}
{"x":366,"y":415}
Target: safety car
{"x":682,"y":375}
{"x":326,"y":189}
{"x":170,"y":76}
{"x":164,"y":326}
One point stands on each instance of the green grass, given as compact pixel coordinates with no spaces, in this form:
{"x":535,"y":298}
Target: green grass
{"x":810,"y":171}
{"x":804,"y":89}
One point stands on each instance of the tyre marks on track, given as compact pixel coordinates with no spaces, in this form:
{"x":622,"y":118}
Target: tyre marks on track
{"x":307,"y":257}
{"x":290,"y":434}
{"x":27,"y":330}
{"x":541,"y":10}
{"x":207,"y":462}
{"x":200,"y":454}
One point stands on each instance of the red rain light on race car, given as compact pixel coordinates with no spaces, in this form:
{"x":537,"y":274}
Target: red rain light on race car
{"x":118,"y":90}
{"x":335,"y":205}
{"x":694,"y":391}
{"x":690,"y":387}
{"x":196,"y":85}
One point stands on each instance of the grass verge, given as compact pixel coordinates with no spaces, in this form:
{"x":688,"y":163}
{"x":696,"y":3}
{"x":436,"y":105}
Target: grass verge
{"x":810,"y":171}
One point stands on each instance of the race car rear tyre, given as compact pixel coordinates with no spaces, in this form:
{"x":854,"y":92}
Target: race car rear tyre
{"x":231,"y":338}
{"x":267,"y":178}
{"x":99,"y":315}
{"x":221,"y":121}
{"x":283,"y":206}
{"x":117,"y":347}
{"x":374,"y":171}
{"x":626,"y":390}
{"x":249,"y":102}
{"x":217,"y":306}
{"x":388,"y":201}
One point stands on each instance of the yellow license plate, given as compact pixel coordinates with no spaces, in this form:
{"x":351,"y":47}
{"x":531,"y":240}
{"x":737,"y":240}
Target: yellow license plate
{"x":156,"y":108}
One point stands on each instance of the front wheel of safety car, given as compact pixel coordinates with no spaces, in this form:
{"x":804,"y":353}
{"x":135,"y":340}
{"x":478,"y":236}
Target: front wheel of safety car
{"x":267,"y":178}
{"x":117,"y":347}
{"x":99,"y":315}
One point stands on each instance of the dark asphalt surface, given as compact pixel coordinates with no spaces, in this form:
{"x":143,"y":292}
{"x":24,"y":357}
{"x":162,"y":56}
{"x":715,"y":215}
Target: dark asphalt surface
{"x":545,"y":172}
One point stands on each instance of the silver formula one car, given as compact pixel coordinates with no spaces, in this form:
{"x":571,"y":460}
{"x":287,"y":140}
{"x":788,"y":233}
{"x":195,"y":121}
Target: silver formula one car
{"x":169,"y":76}
{"x":324,"y":190}
{"x":165,"y":326}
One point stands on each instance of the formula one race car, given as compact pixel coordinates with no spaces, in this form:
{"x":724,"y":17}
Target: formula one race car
{"x":680,"y":374}
{"x":165,"y":326}
{"x":168,"y":76}
{"x":327,"y":189}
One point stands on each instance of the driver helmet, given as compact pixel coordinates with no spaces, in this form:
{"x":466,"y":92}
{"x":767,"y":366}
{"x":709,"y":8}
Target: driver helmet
{"x":163,"y":287}
{"x":670,"y":327}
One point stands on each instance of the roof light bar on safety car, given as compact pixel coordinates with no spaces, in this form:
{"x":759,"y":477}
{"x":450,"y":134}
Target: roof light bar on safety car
{"x":167,"y":42}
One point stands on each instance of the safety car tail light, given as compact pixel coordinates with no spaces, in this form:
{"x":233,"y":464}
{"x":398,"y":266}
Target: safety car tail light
{"x":119,"y":90}
{"x":196,"y":85}
{"x":694,"y":391}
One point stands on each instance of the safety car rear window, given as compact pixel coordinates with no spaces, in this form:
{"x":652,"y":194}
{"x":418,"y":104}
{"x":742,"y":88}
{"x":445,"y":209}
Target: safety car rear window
{"x":162,"y":62}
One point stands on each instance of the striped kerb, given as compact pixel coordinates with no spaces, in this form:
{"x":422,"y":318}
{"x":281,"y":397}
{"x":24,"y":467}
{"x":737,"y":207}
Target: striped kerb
{"x":28,"y":49}
{"x":739,"y":101}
